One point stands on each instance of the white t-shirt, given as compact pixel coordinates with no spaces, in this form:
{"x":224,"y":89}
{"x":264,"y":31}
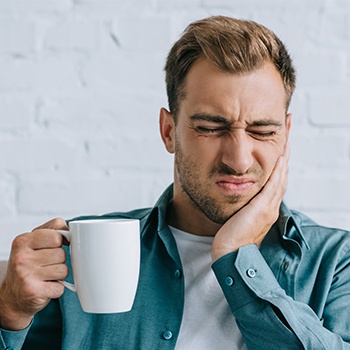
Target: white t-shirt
{"x":207,"y":321}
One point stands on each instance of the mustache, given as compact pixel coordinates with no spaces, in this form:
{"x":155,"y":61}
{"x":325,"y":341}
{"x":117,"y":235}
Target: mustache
{"x":223,"y":169}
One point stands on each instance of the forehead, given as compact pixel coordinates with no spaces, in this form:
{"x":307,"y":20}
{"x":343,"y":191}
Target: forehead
{"x":256,"y":94}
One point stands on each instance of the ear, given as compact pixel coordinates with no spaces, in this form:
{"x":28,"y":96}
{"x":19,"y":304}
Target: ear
{"x":288,"y":124}
{"x":167,"y":129}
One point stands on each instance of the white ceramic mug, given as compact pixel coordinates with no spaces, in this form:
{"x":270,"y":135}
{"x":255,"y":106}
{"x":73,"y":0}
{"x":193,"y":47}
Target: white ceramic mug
{"x":105,"y":257}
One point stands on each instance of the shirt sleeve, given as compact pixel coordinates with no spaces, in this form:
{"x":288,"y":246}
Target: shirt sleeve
{"x":266,"y":316}
{"x":13,"y":340}
{"x":44,"y":332}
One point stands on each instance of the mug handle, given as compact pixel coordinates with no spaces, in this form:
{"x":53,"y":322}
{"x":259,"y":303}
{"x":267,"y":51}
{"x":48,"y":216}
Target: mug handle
{"x":68,"y":285}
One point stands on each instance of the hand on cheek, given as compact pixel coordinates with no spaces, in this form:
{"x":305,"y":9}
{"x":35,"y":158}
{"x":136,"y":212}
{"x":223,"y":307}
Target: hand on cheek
{"x":251,"y":223}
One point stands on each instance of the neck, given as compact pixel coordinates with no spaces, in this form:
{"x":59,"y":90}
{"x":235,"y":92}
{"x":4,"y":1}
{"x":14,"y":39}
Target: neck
{"x":188,"y":218}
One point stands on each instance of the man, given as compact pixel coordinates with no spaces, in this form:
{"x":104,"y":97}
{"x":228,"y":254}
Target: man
{"x":225,"y":264}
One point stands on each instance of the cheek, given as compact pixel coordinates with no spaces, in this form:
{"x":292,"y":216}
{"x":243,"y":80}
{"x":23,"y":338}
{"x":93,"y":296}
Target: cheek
{"x":267,"y":156}
{"x":200,"y":149}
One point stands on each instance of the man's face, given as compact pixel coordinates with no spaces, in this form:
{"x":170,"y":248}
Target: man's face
{"x":229,"y":133}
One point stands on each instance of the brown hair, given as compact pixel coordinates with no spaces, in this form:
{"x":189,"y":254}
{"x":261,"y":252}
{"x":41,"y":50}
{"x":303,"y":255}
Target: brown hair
{"x":236,"y":46}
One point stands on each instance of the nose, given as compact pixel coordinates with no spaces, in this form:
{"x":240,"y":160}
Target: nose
{"x":237,"y":152}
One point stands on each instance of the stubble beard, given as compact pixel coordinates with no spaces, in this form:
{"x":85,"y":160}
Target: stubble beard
{"x":189,"y":175}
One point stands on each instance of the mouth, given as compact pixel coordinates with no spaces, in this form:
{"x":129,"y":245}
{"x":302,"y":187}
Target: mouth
{"x":235,"y":186}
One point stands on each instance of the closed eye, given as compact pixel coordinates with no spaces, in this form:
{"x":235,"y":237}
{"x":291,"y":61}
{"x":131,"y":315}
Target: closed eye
{"x":262,"y":134}
{"x":211,"y":130}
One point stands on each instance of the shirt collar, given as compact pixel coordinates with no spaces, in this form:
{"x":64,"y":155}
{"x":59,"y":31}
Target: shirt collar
{"x":289,"y":226}
{"x":287,"y":223}
{"x":162,"y":205}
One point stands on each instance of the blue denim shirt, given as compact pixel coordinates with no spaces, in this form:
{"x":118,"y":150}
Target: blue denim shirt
{"x":292,"y":293}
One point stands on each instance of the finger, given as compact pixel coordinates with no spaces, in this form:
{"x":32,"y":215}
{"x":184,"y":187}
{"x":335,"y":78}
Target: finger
{"x":56,"y":272}
{"x":286,"y":153}
{"x":28,"y":262}
{"x":53,"y":289}
{"x":273,"y":191}
{"x":47,"y":257}
{"x":39,"y":239}
{"x":54,"y":224}
{"x":285,"y":168}
{"x":279,"y":176}
{"x":274,"y":185}
{"x":40,"y":292}
{"x":38,"y":258}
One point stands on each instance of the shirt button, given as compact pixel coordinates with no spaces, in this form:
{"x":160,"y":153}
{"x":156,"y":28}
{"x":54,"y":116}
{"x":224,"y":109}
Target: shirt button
{"x":251,"y":273}
{"x":178,"y":274}
{"x":167,"y":335}
{"x":286,"y":266}
{"x":229,"y":281}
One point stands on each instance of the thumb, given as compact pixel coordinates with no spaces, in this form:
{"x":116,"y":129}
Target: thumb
{"x":54,"y":224}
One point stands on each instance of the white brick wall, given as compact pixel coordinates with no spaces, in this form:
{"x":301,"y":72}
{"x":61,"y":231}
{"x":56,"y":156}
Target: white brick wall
{"x":81,"y":84}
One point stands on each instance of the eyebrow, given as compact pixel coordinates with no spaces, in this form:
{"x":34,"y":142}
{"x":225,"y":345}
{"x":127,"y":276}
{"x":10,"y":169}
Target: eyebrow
{"x":210,"y":118}
{"x":225,"y":121}
{"x":266,"y":122}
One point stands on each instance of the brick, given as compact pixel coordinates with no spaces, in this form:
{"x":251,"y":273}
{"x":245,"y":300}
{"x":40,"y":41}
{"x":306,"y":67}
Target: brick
{"x":142,"y":33}
{"x":26,"y":6}
{"x":342,"y":4}
{"x":34,"y":155}
{"x":299,"y":110}
{"x":284,"y":21}
{"x":123,"y":70}
{"x":116,"y":134}
{"x":319,"y":190}
{"x":17,"y":112}
{"x":322,"y":149}
{"x":258,"y":6}
{"x":91,"y":195}
{"x":78,"y":113}
{"x":8,"y":192}
{"x":179,"y":5}
{"x":335,"y":28}
{"x":112,"y":7}
{"x":102,"y":117}
{"x":330,"y":107}
{"x":135,"y":152}
{"x":16,"y":36}
{"x":73,"y":34}
{"x":46,"y":73}
{"x":12,"y":226}
{"x":322,"y":69}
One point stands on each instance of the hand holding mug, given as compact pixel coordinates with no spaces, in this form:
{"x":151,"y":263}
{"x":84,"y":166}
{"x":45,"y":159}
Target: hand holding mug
{"x":36,"y":263}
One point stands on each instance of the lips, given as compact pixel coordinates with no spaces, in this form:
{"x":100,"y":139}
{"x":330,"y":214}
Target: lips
{"x":235,"y":186}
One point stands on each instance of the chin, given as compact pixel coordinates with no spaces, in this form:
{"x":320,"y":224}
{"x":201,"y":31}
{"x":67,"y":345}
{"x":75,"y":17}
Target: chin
{"x":221,"y":216}
{"x":227,"y":214}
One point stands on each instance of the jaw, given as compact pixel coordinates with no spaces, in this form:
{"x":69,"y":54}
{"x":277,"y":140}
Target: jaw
{"x":203,"y":219}
{"x":185,"y":215}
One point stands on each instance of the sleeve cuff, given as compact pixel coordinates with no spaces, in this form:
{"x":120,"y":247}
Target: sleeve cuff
{"x":244,"y":276}
{"x":13,"y":339}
